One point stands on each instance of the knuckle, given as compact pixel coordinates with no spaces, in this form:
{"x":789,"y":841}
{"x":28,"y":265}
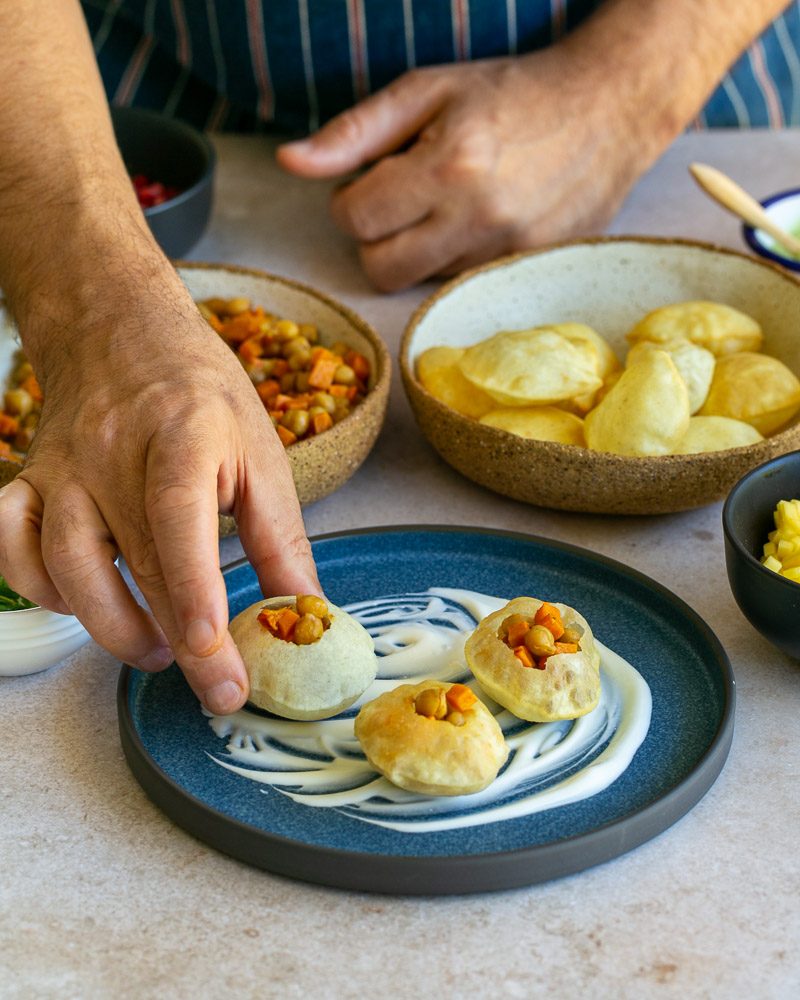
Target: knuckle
{"x":348,"y":128}
{"x":381,"y":269}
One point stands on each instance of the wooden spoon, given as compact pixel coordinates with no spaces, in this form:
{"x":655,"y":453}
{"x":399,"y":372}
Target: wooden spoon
{"x":728,"y":193}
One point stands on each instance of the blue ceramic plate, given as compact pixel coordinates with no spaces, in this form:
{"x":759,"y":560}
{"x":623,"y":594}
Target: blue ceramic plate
{"x":175,"y":754}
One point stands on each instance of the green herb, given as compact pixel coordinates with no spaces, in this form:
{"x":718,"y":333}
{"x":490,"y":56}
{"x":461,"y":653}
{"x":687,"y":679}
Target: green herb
{"x":11,"y":601}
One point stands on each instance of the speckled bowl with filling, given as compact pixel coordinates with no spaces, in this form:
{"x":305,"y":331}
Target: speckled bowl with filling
{"x":608,"y":283}
{"x":320,"y":464}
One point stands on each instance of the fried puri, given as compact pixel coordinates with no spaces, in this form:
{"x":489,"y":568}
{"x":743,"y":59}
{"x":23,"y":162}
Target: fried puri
{"x":310,"y":680}
{"x":520,"y":658}
{"x":428,"y":754}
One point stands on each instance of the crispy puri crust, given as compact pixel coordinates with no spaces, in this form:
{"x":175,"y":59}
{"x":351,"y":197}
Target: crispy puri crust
{"x":569,"y":686}
{"x":430,"y":756}
{"x":305,"y":682}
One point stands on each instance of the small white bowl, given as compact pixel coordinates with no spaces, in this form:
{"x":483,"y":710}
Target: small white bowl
{"x":34,"y":639}
{"x":784,"y":210}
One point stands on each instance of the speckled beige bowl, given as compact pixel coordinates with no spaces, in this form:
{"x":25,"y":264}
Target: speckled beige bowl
{"x":609,"y":284}
{"x":321,"y":464}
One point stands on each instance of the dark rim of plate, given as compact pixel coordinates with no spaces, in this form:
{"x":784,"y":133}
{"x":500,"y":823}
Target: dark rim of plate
{"x":443,"y":874}
{"x":755,"y":244}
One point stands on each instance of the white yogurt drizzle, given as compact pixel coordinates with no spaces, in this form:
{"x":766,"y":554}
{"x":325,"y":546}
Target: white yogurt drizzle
{"x":420,"y":636}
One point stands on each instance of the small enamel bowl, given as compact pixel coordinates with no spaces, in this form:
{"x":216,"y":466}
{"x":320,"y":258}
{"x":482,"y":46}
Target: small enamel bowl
{"x":770,"y":602}
{"x":784,"y":209}
{"x":34,"y":639}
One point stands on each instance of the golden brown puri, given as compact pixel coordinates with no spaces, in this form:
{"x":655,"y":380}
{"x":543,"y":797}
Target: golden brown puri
{"x":311,"y":681}
{"x":567,"y":687}
{"x":719,"y":328}
{"x":430,"y":755}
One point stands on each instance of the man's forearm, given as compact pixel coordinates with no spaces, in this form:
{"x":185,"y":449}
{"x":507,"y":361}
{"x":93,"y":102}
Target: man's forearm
{"x":666,"y":57}
{"x":70,"y":225}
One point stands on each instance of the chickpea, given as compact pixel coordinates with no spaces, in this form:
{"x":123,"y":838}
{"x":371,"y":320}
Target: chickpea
{"x":325,"y":400}
{"x":431,"y":702}
{"x":344,"y":375}
{"x":307,"y":629}
{"x":287,"y":329}
{"x":237,"y":306}
{"x":456,"y":719}
{"x":309,"y":331}
{"x":24,"y":438}
{"x":218,"y":306}
{"x":340,"y":348}
{"x":32,"y":420}
{"x":271,"y":348}
{"x":18,"y":402}
{"x":310,"y":604}
{"x":287,"y":382}
{"x":508,"y":622}
{"x":299,"y":360}
{"x":296,"y":421}
{"x":573,"y":632}
{"x":539,"y":641}
{"x":23,"y":370}
{"x":301,"y":381}
{"x":296,"y":344}
{"x":341,"y":409}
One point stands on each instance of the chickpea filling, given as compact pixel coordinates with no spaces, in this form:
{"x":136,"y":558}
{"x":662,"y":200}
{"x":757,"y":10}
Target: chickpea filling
{"x":533,"y":640}
{"x":445,"y":705}
{"x":302,"y":623}
{"x":22,"y":407}
{"x":305,"y":387}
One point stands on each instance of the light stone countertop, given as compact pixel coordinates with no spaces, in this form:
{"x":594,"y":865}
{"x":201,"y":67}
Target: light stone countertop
{"x":102,"y":896}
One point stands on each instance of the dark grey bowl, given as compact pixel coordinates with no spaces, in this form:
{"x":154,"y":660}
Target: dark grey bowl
{"x":176,"y":154}
{"x":770,"y":602}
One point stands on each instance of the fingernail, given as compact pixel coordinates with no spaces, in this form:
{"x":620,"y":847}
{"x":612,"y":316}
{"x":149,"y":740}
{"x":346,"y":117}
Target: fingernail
{"x":201,"y":638}
{"x":301,"y":145}
{"x":158,"y":659}
{"x":225,"y":697}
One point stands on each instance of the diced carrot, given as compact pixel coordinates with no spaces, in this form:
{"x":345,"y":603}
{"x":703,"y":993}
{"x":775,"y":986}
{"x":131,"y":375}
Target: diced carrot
{"x":541,"y":663}
{"x":5,"y":448}
{"x":321,"y":422}
{"x":516,"y":633}
{"x":300,"y":402}
{"x":359,"y":364}
{"x":286,"y":621}
{"x":32,"y":386}
{"x":251,"y":350}
{"x":268,"y":389}
{"x":286,"y":436}
{"x":460,"y":697}
{"x":281,"y":367}
{"x":280,"y":402}
{"x":523,"y":656}
{"x":238,"y":329}
{"x":267,"y":617}
{"x":566,"y":647}
{"x":549,"y":616}
{"x":322,"y":353}
{"x":215,"y":323}
{"x":322,"y":372}
{"x":352,"y":392}
{"x":8,"y":425}
{"x":338,"y":390}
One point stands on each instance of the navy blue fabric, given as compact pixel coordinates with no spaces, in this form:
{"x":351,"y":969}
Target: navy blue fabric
{"x":293,"y":64}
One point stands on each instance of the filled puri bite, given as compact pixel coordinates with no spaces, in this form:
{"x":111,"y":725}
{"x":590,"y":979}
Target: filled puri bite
{"x":306,"y":659}
{"x":537,"y":659}
{"x":433,"y":738}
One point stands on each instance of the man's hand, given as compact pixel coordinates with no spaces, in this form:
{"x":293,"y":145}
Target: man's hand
{"x":504,"y":154}
{"x":137,"y":451}
{"x":470,"y":161}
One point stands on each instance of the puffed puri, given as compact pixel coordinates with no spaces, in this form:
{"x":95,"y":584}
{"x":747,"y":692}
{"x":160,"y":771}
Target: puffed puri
{"x":426,"y":755}
{"x":314,"y":681}
{"x":567,"y":688}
